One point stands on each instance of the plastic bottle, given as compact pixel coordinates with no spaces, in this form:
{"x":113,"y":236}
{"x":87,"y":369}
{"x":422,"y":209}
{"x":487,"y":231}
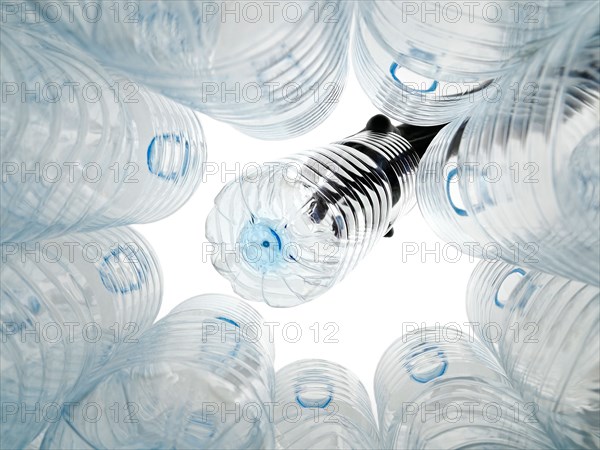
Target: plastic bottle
{"x":520,"y":179}
{"x":546,"y":334}
{"x":320,"y":404}
{"x":438,"y":388}
{"x":201,"y":377}
{"x":273,"y":70}
{"x":428,"y":62}
{"x":287,"y":232}
{"x":82,"y":150}
{"x":66,"y":305}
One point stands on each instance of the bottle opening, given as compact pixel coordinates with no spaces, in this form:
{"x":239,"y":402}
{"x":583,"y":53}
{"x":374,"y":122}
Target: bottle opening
{"x":314,"y":395}
{"x":453,"y":193}
{"x":507,"y":286}
{"x":124,"y":270}
{"x":261,"y":245}
{"x":169,"y":156}
{"x":427,"y":364}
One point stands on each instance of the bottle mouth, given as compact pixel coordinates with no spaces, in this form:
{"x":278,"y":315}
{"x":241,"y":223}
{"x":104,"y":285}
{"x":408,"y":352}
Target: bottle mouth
{"x":169,"y":156}
{"x":263,"y":245}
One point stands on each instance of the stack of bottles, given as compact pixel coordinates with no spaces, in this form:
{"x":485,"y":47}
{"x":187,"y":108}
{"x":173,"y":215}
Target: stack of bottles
{"x":287,"y":232}
{"x":83,"y":152}
{"x":273,"y":70}
{"x":500,"y":101}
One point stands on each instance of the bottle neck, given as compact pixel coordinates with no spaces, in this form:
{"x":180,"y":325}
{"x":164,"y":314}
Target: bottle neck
{"x":396,"y":152}
{"x":394,"y":162}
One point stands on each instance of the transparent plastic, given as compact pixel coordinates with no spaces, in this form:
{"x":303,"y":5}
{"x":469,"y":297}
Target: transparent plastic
{"x":404,"y":62}
{"x":287,"y":232}
{"x":82,"y":150}
{"x":201,"y":377}
{"x":520,"y":179}
{"x":67,"y":305}
{"x":273,"y":70}
{"x":438,"y":388}
{"x":545,"y":331}
{"x":320,"y":404}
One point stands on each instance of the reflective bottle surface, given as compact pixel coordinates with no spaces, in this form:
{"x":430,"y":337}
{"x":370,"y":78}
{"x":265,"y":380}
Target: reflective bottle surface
{"x":83,"y":150}
{"x":438,"y":388}
{"x":427,"y":62}
{"x":289,"y":231}
{"x":546,"y":333}
{"x":273,"y":70}
{"x":201,"y":377}
{"x":67,"y":305}
{"x":320,"y":404}
{"x":520,"y":178}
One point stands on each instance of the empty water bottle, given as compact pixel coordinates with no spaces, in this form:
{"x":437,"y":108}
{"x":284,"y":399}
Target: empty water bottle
{"x":286,"y":232}
{"x":320,"y":404}
{"x":520,"y":179}
{"x":273,"y":70}
{"x":82,"y":150}
{"x":438,"y":388}
{"x":202,"y":377}
{"x":66,"y":306}
{"x":546,"y":333}
{"x":427,"y":62}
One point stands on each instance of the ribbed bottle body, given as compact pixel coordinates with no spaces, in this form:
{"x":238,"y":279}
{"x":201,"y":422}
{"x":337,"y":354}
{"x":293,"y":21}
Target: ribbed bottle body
{"x":306,"y":221}
{"x":201,"y":377}
{"x":67,"y":305}
{"x":411,"y":73}
{"x":320,"y":404}
{"x":403,"y":94}
{"x":286,"y":75}
{"x":83,"y":150}
{"x":438,"y":388}
{"x":545,"y":330}
{"x":154,"y":42}
{"x":522,"y":175}
{"x":273,"y":70}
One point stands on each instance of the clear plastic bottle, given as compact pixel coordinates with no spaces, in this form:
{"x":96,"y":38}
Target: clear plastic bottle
{"x":320,"y":404}
{"x":273,"y":70}
{"x":66,"y":306}
{"x":438,"y":388}
{"x":545,"y":331}
{"x":288,"y":231}
{"x":520,"y":179}
{"x":82,"y":150}
{"x":201,"y":377}
{"x":405,"y":64}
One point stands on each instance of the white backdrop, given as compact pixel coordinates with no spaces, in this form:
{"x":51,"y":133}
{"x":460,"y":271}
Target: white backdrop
{"x":352,"y":324}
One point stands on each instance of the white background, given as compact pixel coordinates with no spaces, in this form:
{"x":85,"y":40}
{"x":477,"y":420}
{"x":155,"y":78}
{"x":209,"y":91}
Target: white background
{"x":388,"y":291}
